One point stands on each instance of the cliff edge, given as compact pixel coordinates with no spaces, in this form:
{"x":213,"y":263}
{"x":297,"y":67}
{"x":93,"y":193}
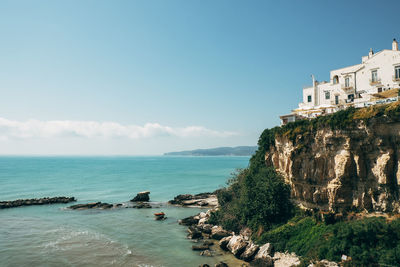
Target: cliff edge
{"x":345,"y":161}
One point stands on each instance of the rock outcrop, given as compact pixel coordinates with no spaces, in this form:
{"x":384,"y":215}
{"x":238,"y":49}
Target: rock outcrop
{"x":142,"y":197}
{"x":237,"y":245}
{"x":35,"y":201}
{"x":198,"y":200}
{"x":335,"y":170}
{"x":94,"y":205}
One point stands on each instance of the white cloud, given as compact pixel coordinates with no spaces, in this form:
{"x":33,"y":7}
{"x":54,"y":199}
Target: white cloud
{"x":92,"y":129}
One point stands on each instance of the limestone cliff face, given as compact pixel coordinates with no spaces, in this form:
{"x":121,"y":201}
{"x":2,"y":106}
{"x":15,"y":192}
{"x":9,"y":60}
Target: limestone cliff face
{"x":340,"y":169}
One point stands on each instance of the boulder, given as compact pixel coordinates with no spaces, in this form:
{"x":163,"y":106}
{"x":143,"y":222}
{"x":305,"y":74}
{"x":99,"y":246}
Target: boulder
{"x":221,"y":264}
{"x":194,"y":232}
{"x":249,"y":252}
{"x":204,"y":265}
{"x":205,"y":228}
{"x":203,"y":215}
{"x":286,"y":259}
{"x":217,"y":232}
{"x":141,"y":197}
{"x":202,"y":220}
{"x":237,"y":245}
{"x":265,"y":251}
{"x":224,"y":242}
{"x":191,"y":220}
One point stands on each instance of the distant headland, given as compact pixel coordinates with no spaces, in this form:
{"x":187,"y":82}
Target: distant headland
{"x":218,"y":151}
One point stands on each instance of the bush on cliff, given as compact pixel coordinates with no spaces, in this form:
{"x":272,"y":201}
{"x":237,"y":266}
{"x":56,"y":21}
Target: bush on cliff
{"x":369,"y":242}
{"x":256,"y":198}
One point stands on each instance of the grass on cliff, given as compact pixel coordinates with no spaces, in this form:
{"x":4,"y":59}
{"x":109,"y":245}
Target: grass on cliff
{"x":369,"y":242}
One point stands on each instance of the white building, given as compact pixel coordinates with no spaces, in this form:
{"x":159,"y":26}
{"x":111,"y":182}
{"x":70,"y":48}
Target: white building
{"x":358,"y":85}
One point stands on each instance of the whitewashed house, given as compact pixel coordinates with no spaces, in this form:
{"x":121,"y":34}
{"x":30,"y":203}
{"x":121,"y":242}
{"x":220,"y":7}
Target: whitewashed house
{"x":358,"y":85}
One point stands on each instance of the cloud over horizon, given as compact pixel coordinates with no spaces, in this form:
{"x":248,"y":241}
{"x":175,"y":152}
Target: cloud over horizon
{"x":91,"y":129}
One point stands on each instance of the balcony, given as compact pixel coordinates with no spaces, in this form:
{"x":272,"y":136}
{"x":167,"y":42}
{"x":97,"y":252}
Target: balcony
{"x":347,"y":87}
{"x":376,"y":81}
{"x":396,"y":78}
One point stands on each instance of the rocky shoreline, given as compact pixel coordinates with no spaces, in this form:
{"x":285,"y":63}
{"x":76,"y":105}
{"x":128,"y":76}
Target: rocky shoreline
{"x":35,"y":201}
{"x":208,"y":239}
{"x":239,"y":245}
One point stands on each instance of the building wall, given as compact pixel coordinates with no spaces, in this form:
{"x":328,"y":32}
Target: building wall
{"x":359,"y":80}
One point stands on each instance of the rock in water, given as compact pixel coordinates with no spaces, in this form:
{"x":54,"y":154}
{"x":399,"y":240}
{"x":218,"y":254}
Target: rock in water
{"x":221,"y":264}
{"x":94,"y":205}
{"x":142,"y":197}
{"x":217,"y":232}
{"x":200,"y":247}
{"x":194,"y":232}
{"x":189,"y":221}
{"x":35,"y":201}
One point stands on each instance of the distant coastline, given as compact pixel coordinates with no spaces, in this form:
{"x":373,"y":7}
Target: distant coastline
{"x":218,"y":151}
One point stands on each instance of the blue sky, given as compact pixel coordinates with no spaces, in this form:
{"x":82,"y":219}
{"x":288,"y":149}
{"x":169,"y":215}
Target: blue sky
{"x":147,"y":77}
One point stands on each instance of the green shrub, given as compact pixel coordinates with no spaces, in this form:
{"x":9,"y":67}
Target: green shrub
{"x":370,"y":241}
{"x":254,"y":198}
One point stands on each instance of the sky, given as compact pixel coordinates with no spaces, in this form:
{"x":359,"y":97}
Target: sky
{"x":131,"y":77}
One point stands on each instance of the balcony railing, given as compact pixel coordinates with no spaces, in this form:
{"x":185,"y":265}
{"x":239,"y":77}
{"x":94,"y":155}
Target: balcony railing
{"x":375,"y":81}
{"x":347,"y":87}
{"x":396,"y":78}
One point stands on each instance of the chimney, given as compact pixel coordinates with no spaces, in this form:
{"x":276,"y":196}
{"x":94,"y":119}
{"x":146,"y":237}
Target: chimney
{"x":395,"y":45}
{"x":371,"y":53}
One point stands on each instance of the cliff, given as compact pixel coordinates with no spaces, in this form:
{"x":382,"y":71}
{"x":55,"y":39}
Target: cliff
{"x":341,"y":162}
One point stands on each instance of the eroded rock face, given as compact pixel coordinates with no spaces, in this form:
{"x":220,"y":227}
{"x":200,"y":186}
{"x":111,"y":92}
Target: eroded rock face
{"x":236,"y":245}
{"x":340,"y":169}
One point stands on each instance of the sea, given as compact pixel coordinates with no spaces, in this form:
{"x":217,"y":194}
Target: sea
{"x":51,"y":235}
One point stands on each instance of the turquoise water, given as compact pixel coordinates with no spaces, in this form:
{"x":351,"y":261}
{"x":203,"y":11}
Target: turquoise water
{"x":52,"y":236}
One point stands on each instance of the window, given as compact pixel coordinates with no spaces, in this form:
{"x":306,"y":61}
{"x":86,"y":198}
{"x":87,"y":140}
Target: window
{"x":397,"y":72}
{"x":309,"y":99}
{"x":335,"y":79}
{"x":336,"y":100}
{"x":374,"y":76}
{"x":327,"y":95}
{"x":347,"y":82}
{"x":350,"y":97}
{"x":380,"y":90}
